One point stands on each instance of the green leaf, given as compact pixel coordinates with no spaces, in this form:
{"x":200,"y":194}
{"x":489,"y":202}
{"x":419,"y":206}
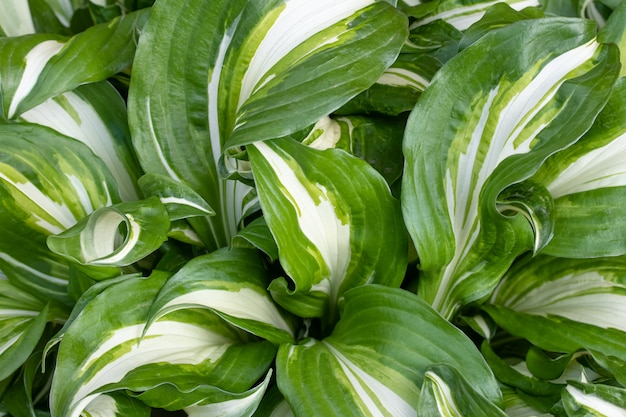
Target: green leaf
{"x":462,"y":14}
{"x":38,"y":67}
{"x":180,"y":201}
{"x":207,"y":400}
{"x":488,"y":120}
{"x":582,"y":400}
{"x":94,"y":114}
{"x":103,"y":350}
{"x":615,"y":31}
{"x":375,"y":361}
{"x":446,"y":393}
{"x":48,"y":181}
{"x":334,"y":219}
{"x":255,"y":71}
{"x":23,"y":330}
{"x":257,"y":235}
{"x":377,"y":140}
{"x":118,"y":235}
{"x":231,"y":283}
{"x":588,"y":182}
{"x":116,"y":404}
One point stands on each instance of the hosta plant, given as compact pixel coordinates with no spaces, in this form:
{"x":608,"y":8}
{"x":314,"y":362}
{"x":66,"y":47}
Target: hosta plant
{"x":298,"y":208}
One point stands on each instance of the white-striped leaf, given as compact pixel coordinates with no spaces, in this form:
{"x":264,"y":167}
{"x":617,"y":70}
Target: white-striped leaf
{"x":273,"y":405}
{"x":359,"y":371}
{"x":446,"y":393}
{"x":37,"y":67}
{"x":207,"y":400}
{"x":588,"y":183}
{"x":180,"y":201}
{"x":258,"y":70}
{"x":515,"y":406}
{"x":487,"y":121}
{"x":117,"y":235}
{"x":116,"y":404}
{"x":375,"y":139}
{"x":335,"y":221}
{"x":48,"y":182}
{"x":582,"y":400}
{"x":22,"y":322}
{"x":94,"y":114}
{"x":232,"y":283}
{"x":16,"y":18}
{"x":563,"y":305}
{"x":462,"y":14}
{"x":397,"y":89}
{"x":105,"y":349}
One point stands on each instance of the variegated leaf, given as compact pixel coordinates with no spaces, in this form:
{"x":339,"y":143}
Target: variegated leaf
{"x":588,"y":183}
{"x":582,"y":400}
{"x":253,"y":63}
{"x":118,"y":235}
{"x":446,"y":393}
{"x":335,"y":221}
{"x":35,"y":67}
{"x":273,"y":405}
{"x":563,"y":305}
{"x":116,"y":404}
{"x":48,"y":182}
{"x":181,"y":201}
{"x":231,"y":283}
{"x":205,"y":400}
{"x":106,"y":349}
{"x":482,"y":126}
{"x":257,"y":235}
{"x":94,"y":114}
{"x":462,"y":14}
{"x":615,"y":31}
{"x":375,"y":361}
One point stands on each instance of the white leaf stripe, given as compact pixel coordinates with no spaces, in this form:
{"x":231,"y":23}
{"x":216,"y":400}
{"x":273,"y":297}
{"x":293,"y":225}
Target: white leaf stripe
{"x":463,"y":17}
{"x":599,"y":168}
{"x":300,"y":19}
{"x":586,"y":297}
{"x":72,"y":115}
{"x":596,"y":404}
{"x":400,"y":77}
{"x":443,"y":395}
{"x":378,"y":399}
{"x":16,"y":19}
{"x":165,"y":341}
{"x":236,"y":304}
{"x":462,"y":192}
{"x":317,"y":220}
{"x":35,"y":61}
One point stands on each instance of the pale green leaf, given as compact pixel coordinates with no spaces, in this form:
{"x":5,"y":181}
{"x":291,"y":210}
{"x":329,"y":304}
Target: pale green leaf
{"x":488,"y":120}
{"x":334,"y":219}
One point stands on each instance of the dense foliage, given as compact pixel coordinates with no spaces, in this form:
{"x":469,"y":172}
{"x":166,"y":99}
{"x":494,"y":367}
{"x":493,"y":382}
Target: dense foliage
{"x":313,"y":208}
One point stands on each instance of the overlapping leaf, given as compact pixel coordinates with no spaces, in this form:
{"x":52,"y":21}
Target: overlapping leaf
{"x":476,"y":132}
{"x":375,"y":361}
{"x":253,"y":71}
{"x":103,"y":350}
{"x":564,"y":305}
{"x":335,"y":221}
{"x":232,"y":283}
{"x":38,"y":67}
{"x":588,"y":183}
